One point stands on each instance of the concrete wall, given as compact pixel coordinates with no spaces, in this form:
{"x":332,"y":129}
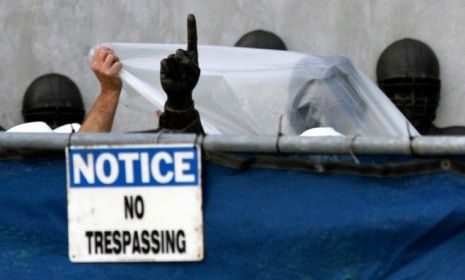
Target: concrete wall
{"x":39,"y":37}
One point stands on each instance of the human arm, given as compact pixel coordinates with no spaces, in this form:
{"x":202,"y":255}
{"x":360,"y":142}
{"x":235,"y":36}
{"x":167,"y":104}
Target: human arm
{"x":106,"y":66}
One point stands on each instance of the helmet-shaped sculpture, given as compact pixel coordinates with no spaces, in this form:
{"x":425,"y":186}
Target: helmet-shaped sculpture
{"x":261,"y":39}
{"x":53,"y":99}
{"x":408,"y":73}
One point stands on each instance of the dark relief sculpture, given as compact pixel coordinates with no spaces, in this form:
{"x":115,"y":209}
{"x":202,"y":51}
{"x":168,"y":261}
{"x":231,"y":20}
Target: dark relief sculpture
{"x":179,"y":74}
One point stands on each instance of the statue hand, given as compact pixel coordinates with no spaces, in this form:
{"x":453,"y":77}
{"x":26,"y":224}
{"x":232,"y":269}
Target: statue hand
{"x":180,"y":72}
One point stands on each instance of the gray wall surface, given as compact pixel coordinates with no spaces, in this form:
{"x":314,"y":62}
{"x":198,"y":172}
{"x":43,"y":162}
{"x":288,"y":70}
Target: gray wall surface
{"x":39,"y":37}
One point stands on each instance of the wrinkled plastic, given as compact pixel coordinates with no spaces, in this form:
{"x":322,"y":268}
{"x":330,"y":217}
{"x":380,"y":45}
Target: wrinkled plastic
{"x":251,"y":91}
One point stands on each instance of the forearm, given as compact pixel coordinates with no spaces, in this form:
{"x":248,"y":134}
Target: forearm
{"x":182,"y":121}
{"x":102,"y":114}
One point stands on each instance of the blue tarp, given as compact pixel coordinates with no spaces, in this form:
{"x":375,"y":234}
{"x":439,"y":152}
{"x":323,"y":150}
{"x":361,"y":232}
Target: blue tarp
{"x":259,"y":223}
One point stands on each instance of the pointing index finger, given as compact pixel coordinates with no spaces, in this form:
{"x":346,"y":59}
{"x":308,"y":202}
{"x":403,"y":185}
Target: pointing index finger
{"x":191,"y":34}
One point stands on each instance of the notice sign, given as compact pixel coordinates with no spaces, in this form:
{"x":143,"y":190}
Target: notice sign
{"x":134,"y":204}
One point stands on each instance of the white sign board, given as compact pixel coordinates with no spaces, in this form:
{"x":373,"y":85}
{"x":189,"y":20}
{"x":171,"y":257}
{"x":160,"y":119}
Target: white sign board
{"x":134,"y":203}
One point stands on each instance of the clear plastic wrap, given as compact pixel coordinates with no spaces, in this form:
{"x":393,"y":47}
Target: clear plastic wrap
{"x":252,"y":91}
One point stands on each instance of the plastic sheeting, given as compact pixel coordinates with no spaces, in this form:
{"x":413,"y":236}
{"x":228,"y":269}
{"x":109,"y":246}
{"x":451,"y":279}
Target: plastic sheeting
{"x":251,"y":91}
{"x":259,"y":223}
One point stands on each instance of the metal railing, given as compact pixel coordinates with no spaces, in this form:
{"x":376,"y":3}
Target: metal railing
{"x":16,"y":142}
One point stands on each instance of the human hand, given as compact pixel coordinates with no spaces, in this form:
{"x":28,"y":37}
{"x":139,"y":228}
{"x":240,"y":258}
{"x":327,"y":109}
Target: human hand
{"x":106,"y":66}
{"x":180,"y":72}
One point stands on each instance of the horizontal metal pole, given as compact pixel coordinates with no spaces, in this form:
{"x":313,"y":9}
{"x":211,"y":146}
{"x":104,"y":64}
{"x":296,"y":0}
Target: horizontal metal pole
{"x":18,"y":142}
{"x":444,"y":145}
{"x":33,"y":141}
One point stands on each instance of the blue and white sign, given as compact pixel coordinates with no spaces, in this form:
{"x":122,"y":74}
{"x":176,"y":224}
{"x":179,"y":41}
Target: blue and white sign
{"x":134,"y":203}
{"x":134,"y":167}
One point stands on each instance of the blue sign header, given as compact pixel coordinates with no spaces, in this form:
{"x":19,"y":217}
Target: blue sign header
{"x":144,"y":166}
